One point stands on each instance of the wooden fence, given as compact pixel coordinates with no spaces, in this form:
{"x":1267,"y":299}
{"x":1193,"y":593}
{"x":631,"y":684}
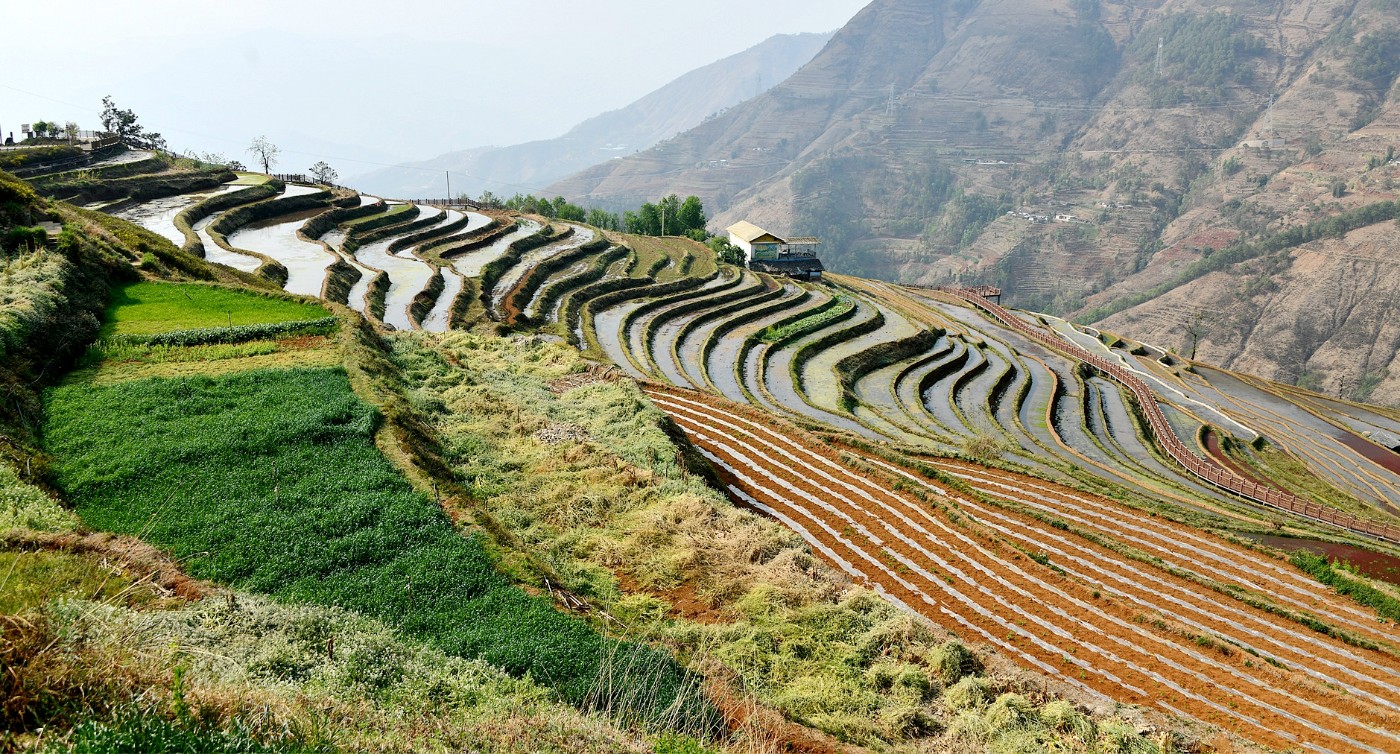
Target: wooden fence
{"x":1167,"y":438}
{"x":446,"y":203}
{"x":303,"y":178}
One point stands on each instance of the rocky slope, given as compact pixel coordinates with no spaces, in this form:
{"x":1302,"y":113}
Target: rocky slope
{"x":908,"y":141}
{"x":679,"y":105}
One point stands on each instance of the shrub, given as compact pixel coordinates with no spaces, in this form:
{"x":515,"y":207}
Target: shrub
{"x":953,"y":661}
{"x":138,"y":731}
{"x":1010,"y":711}
{"x":968,"y":694}
{"x":23,"y":238}
{"x":1061,"y":716}
{"x":969,"y":727}
{"x":26,"y":506}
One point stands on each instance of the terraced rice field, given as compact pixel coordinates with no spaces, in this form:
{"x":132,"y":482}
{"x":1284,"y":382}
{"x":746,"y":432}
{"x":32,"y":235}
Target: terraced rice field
{"x":306,"y":261}
{"x":158,"y":216}
{"x":992,"y":472}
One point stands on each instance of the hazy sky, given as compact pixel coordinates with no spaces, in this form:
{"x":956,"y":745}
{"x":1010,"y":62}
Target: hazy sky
{"x":373,"y":81}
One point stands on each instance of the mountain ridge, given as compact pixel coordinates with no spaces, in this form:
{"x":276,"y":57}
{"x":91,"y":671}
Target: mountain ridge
{"x":681,"y":104}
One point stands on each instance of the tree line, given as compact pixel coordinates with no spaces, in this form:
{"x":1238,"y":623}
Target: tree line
{"x":668,"y":216}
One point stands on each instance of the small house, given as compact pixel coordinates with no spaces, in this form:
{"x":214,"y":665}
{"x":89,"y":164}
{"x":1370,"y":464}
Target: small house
{"x":767,"y":252}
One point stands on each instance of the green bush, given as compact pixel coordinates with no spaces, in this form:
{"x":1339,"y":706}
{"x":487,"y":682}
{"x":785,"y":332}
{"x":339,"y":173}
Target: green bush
{"x":23,"y":238}
{"x":953,"y":660}
{"x":968,"y":694}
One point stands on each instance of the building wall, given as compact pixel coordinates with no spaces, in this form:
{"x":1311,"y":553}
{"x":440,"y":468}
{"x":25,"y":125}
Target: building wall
{"x":762,"y":248}
{"x":764,"y":251}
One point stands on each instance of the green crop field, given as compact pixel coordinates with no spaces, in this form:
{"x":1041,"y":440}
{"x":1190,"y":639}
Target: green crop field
{"x":839,"y":305}
{"x":146,"y":308}
{"x":270,"y":481}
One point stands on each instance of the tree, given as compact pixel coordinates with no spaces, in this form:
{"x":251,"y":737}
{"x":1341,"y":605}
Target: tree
{"x":670,"y":216}
{"x":726,"y":252}
{"x":123,"y":124}
{"x":646,"y":221}
{"x":603,"y":219}
{"x":691,"y":216}
{"x":323,"y":173}
{"x":264,"y":153}
{"x":70,"y":129}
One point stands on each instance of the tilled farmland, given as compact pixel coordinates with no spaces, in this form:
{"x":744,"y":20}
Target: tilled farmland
{"x":1152,"y":633}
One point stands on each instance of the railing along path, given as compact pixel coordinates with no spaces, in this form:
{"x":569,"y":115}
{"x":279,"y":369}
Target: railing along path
{"x":1166,"y":436}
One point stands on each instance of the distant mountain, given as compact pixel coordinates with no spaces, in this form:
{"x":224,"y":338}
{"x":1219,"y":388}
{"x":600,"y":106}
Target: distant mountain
{"x":1115,"y":161}
{"x":681,"y":104}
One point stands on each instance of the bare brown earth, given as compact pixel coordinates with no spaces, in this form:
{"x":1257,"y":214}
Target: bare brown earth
{"x":1027,"y":572}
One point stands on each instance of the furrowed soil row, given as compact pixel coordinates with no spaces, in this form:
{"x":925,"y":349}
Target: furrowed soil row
{"x":1218,"y":561}
{"x":1113,"y":660}
{"x":1054,"y":608}
{"x":1099,"y":562}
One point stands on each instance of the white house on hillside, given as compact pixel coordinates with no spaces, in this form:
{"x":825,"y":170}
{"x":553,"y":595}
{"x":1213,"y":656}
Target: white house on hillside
{"x":767,"y":252}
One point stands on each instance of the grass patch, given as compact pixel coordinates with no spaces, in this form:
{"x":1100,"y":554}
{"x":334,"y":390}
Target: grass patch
{"x":137,"y":731}
{"x":1269,"y":462}
{"x":145,"y":353}
{"x":1320,"y":568}
{"x":240,"y":672}
{"x":588,"y":480}
{"x":251,"y":179}
{"x":326,"y":355}
{"x":270,"y":481}
{"x":149,"y":308}
{"x":393,"y":211}
{"x":29,"y":580}
{"x":24,"y":506}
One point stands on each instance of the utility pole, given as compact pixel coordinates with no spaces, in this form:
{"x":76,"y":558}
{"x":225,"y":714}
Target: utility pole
{"x":663,"y":217}
{"x":448,"y":173}
{"x":1161,"y":42}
